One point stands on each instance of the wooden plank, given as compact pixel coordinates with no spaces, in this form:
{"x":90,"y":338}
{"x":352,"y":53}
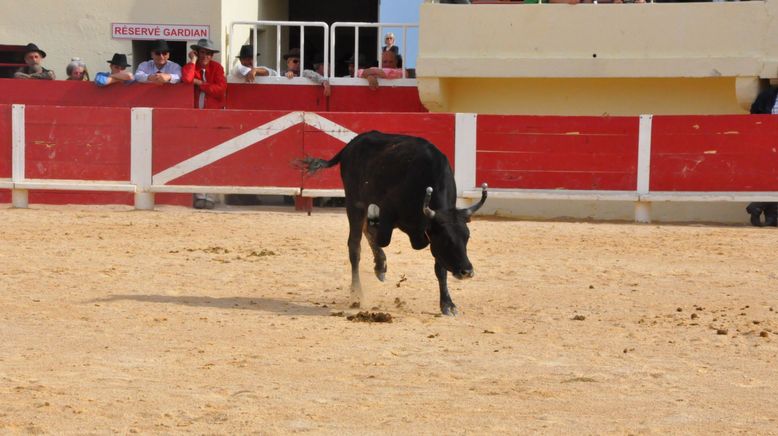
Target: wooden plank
{"x":81,"y":144}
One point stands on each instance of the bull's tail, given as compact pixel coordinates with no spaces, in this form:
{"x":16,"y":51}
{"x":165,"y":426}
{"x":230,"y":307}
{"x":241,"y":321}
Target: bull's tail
{"x":311,"y":165}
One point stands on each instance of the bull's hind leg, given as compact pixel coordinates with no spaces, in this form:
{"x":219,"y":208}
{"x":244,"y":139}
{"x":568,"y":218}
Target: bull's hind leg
{"x":356,"y":218}
{"x":379,"y":257}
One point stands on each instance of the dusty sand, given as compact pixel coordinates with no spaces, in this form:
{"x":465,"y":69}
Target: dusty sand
{"x":181,"y":321}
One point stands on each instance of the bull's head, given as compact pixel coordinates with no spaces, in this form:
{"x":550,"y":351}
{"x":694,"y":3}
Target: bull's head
{"x":448,"y":235}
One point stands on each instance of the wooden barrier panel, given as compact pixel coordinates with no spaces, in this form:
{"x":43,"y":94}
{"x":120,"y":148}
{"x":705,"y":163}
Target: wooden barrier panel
{"x":81,"y":143}
{"x":75,"y":93}
{"x":555,"y":152}
{"x":714,"y":153}
{"x":276,"y":97}
{"x":5,"y":141}
{"x":327,"y":138}
{"x":346,"y":98}
{"x":191,"y":139}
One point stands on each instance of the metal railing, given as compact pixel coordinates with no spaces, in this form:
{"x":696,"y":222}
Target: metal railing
{"x":380,"y":27}
{"x":278,"y":25}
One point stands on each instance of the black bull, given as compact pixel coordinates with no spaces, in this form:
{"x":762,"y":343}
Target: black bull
{"x":405,"y":182}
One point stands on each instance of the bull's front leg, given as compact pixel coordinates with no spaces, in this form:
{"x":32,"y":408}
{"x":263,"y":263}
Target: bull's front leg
{"x":447,"y":307}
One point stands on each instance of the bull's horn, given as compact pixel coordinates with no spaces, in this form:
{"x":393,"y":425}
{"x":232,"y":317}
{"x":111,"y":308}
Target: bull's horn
{"x":427,"y":211}
{"x":474,"y":208}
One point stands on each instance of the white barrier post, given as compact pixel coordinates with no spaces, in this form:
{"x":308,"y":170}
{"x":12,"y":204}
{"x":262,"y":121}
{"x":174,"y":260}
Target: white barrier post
{"x":19,"y":197}
{"x":464,"y":151}
{"x":643,"y":208}
{"x":140,"y":158}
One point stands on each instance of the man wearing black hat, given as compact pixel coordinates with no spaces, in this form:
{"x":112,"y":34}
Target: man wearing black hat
{"x":118,"y":74}
{"x":245,"y":71}
{"x":292,"y":63}
{"x":160,"y":69}
{"x":33,"y":56}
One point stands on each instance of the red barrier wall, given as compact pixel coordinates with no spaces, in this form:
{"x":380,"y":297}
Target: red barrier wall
{"x":714,"y":153}
{"x":553,"y":152}
{"x":311,"y":98}
{"x":182,"y":134}
{"x":383,"y":99}
{"x":276,"y":97}
{"x":437,"y":128}
{"x":73,"y":93}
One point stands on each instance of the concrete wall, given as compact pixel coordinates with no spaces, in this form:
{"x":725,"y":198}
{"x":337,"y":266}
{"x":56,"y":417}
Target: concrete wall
{"x":621,"y":59}
{"x":83,"y":28}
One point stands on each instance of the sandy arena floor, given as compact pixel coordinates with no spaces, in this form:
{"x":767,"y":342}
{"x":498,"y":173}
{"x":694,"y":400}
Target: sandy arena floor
{"x":221,"y":322}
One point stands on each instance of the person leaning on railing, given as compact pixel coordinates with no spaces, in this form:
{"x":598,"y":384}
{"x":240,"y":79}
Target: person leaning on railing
{"x":245,"y":71}
{"x":160,"y":69}
{"x":33,"y":57}
{"x":388,"y":70}
{"x":118,"y":74}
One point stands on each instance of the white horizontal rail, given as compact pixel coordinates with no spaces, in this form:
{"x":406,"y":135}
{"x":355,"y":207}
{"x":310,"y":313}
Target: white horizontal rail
{"x":193,"y":189}
{"x":553,"y":194}
{"x":323,"y":193}
{"x":74,"y":185}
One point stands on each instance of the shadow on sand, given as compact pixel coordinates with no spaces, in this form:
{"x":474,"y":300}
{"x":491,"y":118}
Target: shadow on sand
{"x":238,"y":303}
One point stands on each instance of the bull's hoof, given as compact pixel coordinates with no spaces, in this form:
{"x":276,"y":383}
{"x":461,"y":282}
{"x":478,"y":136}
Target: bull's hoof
{"x":380,"y":272}
{"x":756,"y":219}
{"x":372,"y":215}
{"x":449,"y":309}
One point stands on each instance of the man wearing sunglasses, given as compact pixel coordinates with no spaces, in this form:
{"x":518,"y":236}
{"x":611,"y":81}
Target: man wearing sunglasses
{"x":160,"y":69}
{"x":292,"y":63}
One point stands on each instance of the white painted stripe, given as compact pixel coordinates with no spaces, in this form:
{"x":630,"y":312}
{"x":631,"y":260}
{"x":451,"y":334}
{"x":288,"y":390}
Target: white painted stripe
{"x":644,"y":153}
{"x":228,"y":147}
{"x":6,"y":184}
{"x":18,"y":141}
{"x":140,"y":144}
{"x":329,"y":127}
{"x":464,"y":151}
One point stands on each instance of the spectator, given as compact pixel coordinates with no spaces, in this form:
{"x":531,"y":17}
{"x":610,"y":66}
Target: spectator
{"x":210,"y":86}
{"x":118,"y":64}
{"x":317,"y":74}
{"x":33,"y":56}
{"x":245,"y":71}
{"x":76,"y":70}
{"x":160,"y":69}
{"x":350,"y":63}
{"x":388,"y":70}
{"x":389,"y":40}
{"x":766,"y":103}
{"x":292,"y":63}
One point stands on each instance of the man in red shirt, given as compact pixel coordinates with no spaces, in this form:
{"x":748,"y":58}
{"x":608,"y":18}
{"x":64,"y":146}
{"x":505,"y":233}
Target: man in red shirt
{"x":210,"y":87}
{"x":206,"y":74}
